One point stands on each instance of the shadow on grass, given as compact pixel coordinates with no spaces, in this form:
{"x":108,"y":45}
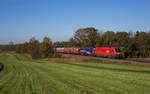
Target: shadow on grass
{"x":106,"y":68}
{"x":1,"y":66}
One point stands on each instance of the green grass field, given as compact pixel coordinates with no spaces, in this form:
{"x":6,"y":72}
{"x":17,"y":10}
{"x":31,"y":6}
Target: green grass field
{"x":21,"y":75}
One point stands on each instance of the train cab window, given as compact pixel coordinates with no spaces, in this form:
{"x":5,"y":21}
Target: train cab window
{"x":117,"y":49}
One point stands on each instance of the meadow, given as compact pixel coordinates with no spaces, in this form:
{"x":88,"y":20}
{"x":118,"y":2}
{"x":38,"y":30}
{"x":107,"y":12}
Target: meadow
{"x":21,"y":75}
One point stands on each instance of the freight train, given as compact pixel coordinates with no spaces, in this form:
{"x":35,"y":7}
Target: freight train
{"x":110,"y":52}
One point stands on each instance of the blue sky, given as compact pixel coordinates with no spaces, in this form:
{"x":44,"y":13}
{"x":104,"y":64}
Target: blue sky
{"x":59,"y":19}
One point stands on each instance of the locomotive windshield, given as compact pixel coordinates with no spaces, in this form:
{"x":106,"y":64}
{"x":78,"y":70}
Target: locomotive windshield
{"x":117,"y":49}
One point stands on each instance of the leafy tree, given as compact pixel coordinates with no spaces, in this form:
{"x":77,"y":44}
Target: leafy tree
{"x":81,"y":36}
{"x":130,"y":49}
{"x":11,"y":46}
{"x":86,"y":37}
{"x":22,"y":48}
{"x":108,"y":38}
{"x":63,"y":44}
{"x":142,"y":43}
{"x":33,"y":48}
{"x":94,"y":38}
{"x":46,"y":47}
{"x":122,"y":38}
{"x":57,"y":44}
{"x":148,"y":39}
{"x":72,"y":42}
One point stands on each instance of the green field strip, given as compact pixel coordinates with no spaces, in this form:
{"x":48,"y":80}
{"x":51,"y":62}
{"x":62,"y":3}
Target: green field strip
{"x":25,"y":76}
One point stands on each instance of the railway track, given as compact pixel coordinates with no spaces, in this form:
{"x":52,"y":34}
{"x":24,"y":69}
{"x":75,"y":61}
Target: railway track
{"x":138,"y":60}
{"x":125,"y":60}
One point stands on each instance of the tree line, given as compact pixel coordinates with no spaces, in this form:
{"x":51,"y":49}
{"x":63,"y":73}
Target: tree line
{"x":132,"y":44}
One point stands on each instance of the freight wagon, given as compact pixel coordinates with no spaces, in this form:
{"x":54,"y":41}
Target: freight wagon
{"x":59,"y":50}
{"x":72,"y":50}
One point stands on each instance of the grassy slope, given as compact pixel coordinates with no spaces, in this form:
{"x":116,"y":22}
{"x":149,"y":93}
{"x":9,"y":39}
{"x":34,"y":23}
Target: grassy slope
{"x":23,"y":76}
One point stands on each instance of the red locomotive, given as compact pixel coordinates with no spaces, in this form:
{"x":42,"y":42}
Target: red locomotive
{"x":108,"y":52}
